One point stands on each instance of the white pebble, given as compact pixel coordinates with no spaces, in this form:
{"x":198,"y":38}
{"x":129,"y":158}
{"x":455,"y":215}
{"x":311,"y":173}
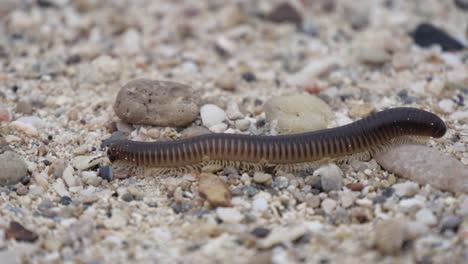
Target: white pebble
{"x":447,"y":105}
{"x":233,"y":112}
{"x":218,"y":128}
{"x":260,"y":204}
{"x":28,"y":125}
{"x":212,"y":115}
{"x":426,"y":217}
{"x":242,"y":124}
{"x":229,"y":215}
{"x":406,"y":189}
{"x":328,"y":205}
{"x":59,"y":187}
{"x":68,"y":177}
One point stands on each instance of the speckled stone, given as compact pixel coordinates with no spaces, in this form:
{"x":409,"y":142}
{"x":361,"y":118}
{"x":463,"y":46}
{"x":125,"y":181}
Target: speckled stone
{"x":154,"y":102}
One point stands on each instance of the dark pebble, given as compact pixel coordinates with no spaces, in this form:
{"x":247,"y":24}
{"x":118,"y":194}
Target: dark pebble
{"x":379,"y":199}
{"x":249,"y":77}
{"x":45,"y":3}
{"x":73,"y":59}
{"x":152,"y":204}
{"x":65,"y":200}
{"x":251,"y":191}
{"x":462,"y":4}
{"x":260,"y":232}
{"x":25,"y":180}
{"x":127,"y":197}
{"x":115,"y":136}
{"x":181,"y":208}
{"x":426,"y":35}
{"x":105,"y":172}
{"x":19,"y":232}
{"x":260,"y":123}
{"x":388,"y":192}
{"x":451,"y":223}
{"x":285,"y":13}
{"x":46,"y":162}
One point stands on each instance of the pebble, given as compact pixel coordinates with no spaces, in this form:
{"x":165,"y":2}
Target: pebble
{"x":426,"y":165}
{"x":426,"y":217}
{"x":406,"y":189}
{"x":282,"y":235}
{"x":13,"y":168}
{"x":5,"y":115}
{"x":227,"y":82}
{"x":261,"y":177}
{"x":355,"y":186}
{"x":462,"y":4}
{"x":347,"y":199}
{"x":22,"y":190}
{"x":298,"y":113}
{"x":242,"y":124}
{"x":214,"y":190}
{"x":105,"y":172}
{"x":249,"y":77}
{"x":260,"y":232}
{"x":18,"y":232}
{"x":260,"y":204}
{"x":447,"y":106}
{"x":65,"y":200}
{"x":91,"y":178}
{"x":69,"y":178}
{"x":28,"y":125}
{"x":374,"y":56}
{"x":450,"y":223}
{"x":389,"y":236}
{"x":59,"y":187}
{"x":23,"y":108}
{"x":285,"y":12}
{"x":229,"y":215}
{"x":127,"y":197}
{"x":312,"y":70}
{"x":331,"y":177}
{"x":218,"y":128}
{"x":212,"y":115}
{"x":86,"y":162}
{"x":233,"y":112}
{"x":56,"y":168}
{"x":328,"y":205}
{"x":280,"y":182}
{"x":159,"y":103}
{"x":426,"y":35}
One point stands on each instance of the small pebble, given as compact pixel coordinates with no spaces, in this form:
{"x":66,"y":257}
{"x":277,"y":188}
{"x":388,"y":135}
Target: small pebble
{"x":13,"y":168}
{"x":260,"y":232}
{"x":406,"y":189}
{"x":233,"y":112}
{"x":23,"y":108}
{"x":426,"y":35}
{"x":18,"y":232}
{"x":298,"y":113}
{"x":374,"y":56}
{"x":389,"y":236}
{"x":127,"y":197}
{"x":65,"y":200}
{"x":260,"y":204}
{"x":280,"y":182}
{"x":426,"y":217}
{"x":249,"y":77}
{"x":242,"y":124}
{"x":285,"y":13}
{"x":212,"y":115}
{"x":450,"y":223}
{"x":331,"y":177}
{"x":282,"y":235}
{"x":261,"y":177}
{"x":229,"y":215}
{"x":328,"y":205}
{"x":214,"y":190}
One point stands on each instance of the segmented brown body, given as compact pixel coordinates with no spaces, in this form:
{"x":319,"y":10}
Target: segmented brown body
{"x":359,"y":136}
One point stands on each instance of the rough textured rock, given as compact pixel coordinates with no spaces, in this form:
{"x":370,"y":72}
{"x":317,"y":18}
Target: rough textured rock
{"x":214,"y":190}
{"x":426,"y":166}
{"x":160,"y":103}
{"x":389,"y":236}
{"x":298,"y":113}
{"x":12,"y":167}
{"x":331,"y":177}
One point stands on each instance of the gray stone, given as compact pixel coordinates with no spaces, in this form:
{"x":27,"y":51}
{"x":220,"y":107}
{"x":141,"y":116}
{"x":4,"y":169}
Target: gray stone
{"x":159,"y":103}
{"x":12,"y":168}
{"x":389,"y":236}
{"x":426,"y":165}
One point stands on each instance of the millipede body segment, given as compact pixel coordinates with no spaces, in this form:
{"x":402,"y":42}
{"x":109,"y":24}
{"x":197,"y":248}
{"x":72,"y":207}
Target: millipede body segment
{"x":363,"y":135}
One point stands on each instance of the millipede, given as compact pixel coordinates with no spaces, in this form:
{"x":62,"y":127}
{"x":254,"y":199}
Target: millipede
{"x":367,"y":135}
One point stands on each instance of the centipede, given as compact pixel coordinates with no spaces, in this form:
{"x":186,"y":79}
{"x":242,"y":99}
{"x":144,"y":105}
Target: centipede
{"x":367,"y":135}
